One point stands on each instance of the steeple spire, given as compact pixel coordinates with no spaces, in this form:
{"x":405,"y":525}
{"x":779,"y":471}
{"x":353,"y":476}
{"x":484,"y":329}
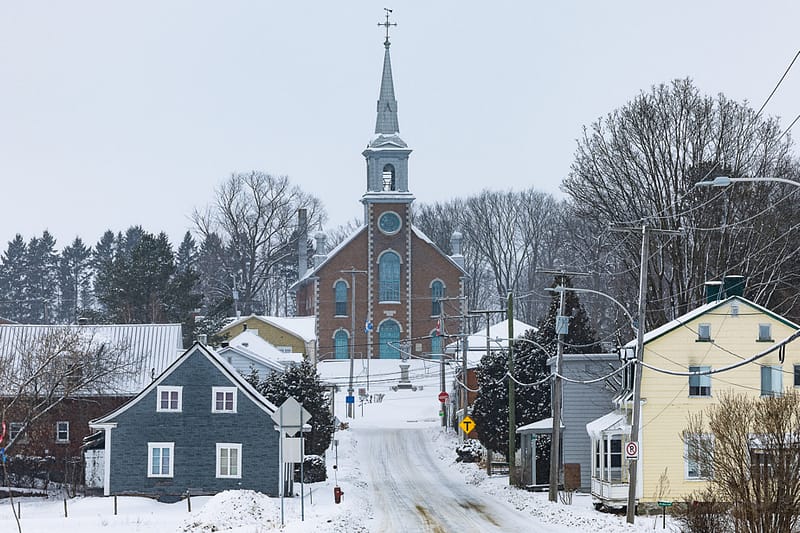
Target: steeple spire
{"x":386,"y":122}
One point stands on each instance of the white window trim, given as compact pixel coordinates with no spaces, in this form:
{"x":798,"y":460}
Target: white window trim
{"x":215,"y":390}
{"x":238,"y":448}
{"x":153,"y":445}
{"x":15,"y":433}
{"x":62,"y":441}
{"x":768,"y":328}
{"x":166,"y":388}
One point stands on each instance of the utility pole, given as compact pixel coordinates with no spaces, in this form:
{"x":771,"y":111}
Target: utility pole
{"x":562,"y":325}
{"x":512,"y":411}
{"x":637,"y":379}
{"x":351,"y":401}
{"x":637,"y":370}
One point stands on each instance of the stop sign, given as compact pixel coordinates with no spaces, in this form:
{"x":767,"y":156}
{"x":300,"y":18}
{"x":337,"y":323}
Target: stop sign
{"x":443,"y":396}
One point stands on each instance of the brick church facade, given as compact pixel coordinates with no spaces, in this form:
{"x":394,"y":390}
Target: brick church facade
{"x":387,"y":284}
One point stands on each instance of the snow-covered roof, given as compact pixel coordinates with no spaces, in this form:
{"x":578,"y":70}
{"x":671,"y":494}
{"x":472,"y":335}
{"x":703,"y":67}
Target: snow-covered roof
{"x":498,"y":338}
{"x":691,"y":315}
{"x":312,"y":271}
{"x":544,"y":425}
{"x":613,"y":422}
{"x":250,"y":346}
{"x":152,"y":347}
{"x":418,"y":232}
{"x":299,"y":326}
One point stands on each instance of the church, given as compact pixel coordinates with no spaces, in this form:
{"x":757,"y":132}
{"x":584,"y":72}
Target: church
{"x":385,"y":288}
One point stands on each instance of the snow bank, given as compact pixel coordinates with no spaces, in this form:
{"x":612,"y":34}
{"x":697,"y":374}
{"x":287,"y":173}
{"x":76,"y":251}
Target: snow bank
{"x":234,"y":509}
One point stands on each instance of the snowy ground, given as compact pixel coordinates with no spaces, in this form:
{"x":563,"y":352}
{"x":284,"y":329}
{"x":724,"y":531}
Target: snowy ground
{"x":248,"y":512}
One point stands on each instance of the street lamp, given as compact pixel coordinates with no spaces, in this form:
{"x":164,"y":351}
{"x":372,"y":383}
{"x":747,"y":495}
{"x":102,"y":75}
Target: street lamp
{"x":725,"y":181}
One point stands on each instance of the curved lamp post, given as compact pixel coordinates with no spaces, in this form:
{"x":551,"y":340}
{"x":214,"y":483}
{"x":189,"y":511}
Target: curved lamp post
{"x":725,"y":181}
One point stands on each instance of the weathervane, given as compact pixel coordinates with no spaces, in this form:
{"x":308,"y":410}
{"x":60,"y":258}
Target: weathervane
{"x":386,"y":25}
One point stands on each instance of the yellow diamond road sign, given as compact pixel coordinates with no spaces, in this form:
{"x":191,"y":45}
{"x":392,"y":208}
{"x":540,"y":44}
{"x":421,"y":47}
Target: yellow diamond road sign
{"x":466,"y":424}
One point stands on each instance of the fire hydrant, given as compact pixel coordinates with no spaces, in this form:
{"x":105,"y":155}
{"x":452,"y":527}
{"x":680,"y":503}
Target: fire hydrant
{"x":337,"y":494}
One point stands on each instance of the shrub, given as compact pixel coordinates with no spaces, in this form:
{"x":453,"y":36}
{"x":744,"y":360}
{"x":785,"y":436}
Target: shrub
{"x":313,"y":469}
{"x":469,"y":451}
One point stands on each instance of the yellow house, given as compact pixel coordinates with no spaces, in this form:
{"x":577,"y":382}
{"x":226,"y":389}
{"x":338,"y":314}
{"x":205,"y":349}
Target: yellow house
{"x":714,"y":336}
{"x":287,"y":334}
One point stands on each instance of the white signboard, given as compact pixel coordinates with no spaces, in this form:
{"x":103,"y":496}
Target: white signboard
{"x":291,"y":416}
{"x":293,"y":449}
{"x":632,"y":450}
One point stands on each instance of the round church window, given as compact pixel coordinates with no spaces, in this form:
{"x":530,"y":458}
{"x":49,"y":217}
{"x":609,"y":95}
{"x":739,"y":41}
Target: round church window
{"x":389,"y":223}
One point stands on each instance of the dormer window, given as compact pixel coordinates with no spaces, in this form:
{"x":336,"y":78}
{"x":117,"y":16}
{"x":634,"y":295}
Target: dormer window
{"x":704,"y":333}
{"x":388,"y":178}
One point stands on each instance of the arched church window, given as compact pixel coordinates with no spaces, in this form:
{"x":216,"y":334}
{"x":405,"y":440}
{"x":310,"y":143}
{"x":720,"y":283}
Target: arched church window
{"x":340,"y":296}
{"x":340,"y":342}
{"x":437,"y":293}
{"x":389,"y":332}
{"x":388,"y":178}
{"x":389,"y":277}
{"x":436,"y":344}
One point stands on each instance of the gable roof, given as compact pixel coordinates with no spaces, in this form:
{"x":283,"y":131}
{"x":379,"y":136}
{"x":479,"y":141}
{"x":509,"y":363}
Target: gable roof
{"x":152,"y":347}
{"x":418,"y":232}
{"x":250,"y":346}
{"x":227,"y":370}
{"x":311,"y":272}
{"x":702,"y":310}
{"x":303,"y":327}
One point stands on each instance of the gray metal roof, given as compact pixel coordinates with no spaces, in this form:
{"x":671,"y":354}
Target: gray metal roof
{"x":153,"y":347}
{"x":386,"y":122}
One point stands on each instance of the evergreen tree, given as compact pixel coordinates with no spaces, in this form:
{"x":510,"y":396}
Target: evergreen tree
{"x":102,"y":263}
{"x":74,"y":275}
{"x":304,"y":384}
{"x":41,"y":280}
{"x":183,"y":299}
{"x":13,"y":268}
{"x":490,"y":410}
{"x":215,"y":281}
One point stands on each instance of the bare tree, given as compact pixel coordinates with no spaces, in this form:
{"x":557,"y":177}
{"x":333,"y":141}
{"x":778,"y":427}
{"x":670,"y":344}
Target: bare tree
{"x":749,"y":449}
{"x":40,"y":372}
{"x":255,"y":216}
{"x":639,"y":166}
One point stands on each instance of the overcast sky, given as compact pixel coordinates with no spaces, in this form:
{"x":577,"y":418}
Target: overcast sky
{"x":122,"y":113}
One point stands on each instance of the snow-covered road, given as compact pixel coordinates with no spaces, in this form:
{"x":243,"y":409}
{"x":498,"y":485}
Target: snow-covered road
{"x":413,"y":492}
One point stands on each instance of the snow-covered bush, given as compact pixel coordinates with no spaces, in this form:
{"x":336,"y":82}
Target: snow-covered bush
{"x":469,"y":451}
{"x":313,"y":469}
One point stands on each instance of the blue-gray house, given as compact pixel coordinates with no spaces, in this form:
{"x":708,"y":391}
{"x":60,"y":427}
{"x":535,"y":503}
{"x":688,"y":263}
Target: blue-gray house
{"x":199,"y":427}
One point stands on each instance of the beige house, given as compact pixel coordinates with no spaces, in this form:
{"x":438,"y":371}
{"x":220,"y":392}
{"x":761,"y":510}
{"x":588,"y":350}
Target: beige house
{"x":287,"y":334}
{"x":726,"y":330}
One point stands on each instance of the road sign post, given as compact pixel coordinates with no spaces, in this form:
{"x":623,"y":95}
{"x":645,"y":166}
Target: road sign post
{"x":467,"y":424}
{"x":632,"y":450}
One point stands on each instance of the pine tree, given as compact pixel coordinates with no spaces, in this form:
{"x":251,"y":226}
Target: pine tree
{"x":13,"y":268}
{"x":74,"y":280}
{"x":490,"y":410}
{"x":304,"y":384}
{"x":41,"y":279}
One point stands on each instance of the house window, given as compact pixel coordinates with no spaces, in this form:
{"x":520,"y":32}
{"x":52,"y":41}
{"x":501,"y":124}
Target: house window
{"x":797,"y":375}
{"x":700,"y":385}
{"x":437,"y":293}
{"x":771,"y":380}
{"x":229,"y":460}
{"x":704,"y":333}
{"x":764,"y":333}
{"x":389,"y":277}
{"x":223,"y":399}
{"x":340,"y":343}
{"x":340,"y":295}
{"x":14,"y":430}
{"x":389,"y":332}
{"x":160,"y":459}
{"x":699,"y":460}
{"x":170,"y":399}
{"x":62,"y":431}
{"x":612,"y":458}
